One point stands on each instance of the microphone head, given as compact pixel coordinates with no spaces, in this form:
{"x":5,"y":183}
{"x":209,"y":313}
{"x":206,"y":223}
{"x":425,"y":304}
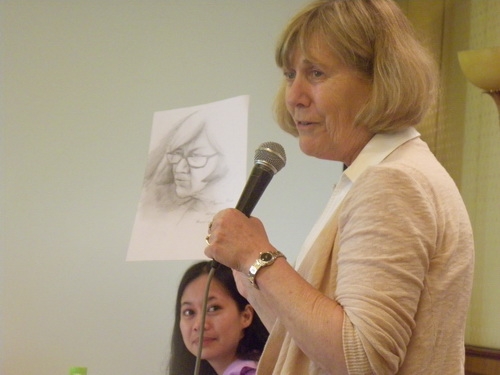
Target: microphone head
{"x":270,"y":155}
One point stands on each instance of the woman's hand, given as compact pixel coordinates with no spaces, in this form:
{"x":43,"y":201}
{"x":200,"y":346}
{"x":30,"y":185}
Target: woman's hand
{"x":236,"y":240}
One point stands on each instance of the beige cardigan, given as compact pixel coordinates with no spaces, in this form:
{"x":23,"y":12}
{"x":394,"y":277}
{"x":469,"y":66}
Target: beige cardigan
{"x":403,"y":278}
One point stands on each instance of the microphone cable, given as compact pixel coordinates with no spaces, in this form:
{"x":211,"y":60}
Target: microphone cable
{"x":269,"y":159}
{"x":203,"y":317}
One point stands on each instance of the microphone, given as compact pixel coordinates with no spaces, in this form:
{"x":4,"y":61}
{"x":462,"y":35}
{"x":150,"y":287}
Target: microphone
{"x":269,"y":159}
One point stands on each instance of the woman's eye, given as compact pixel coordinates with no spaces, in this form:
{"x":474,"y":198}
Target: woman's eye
{"x":213,"y":308}
{"x":316,"y":73}
{"x":289,"y":74}
{"x":187,"y":312}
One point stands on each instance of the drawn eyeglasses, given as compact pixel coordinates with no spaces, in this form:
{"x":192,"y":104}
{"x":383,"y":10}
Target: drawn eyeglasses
{"x":194,"y":161}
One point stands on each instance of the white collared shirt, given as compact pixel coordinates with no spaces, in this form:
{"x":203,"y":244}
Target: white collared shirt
{"x":376,"y":150}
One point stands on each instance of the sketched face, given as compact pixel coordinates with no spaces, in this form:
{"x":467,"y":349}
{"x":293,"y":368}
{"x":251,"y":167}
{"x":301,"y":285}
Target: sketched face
{"x":192,"y":164}
{"x":224,"y":322}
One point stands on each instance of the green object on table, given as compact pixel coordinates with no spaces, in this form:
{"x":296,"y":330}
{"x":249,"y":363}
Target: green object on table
{"x":78,"y":371}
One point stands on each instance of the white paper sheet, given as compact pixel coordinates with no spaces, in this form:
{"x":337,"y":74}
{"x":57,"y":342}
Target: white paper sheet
{"x":196,"y":167}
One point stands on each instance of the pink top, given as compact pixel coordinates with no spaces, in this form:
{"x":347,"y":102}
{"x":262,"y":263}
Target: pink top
{"x":241,"y":367}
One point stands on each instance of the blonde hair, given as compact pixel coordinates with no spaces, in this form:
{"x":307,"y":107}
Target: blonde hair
{"x":375,"y":38}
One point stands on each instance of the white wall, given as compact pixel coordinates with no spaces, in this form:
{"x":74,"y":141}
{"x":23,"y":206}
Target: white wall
{"x":79,"y":83}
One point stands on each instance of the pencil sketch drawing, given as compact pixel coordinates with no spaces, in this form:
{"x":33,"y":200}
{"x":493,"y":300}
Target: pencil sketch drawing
{"x":183,"y":172}
{"x":196,"y":167}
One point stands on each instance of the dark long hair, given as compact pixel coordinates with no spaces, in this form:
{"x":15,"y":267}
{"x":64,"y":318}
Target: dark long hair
{"x":254,"y":337}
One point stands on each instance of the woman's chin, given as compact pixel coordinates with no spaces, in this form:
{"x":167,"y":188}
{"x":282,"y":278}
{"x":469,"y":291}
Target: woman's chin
{"x":307,"y":147}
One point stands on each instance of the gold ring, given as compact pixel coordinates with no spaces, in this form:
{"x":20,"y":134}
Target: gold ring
{"x":207,"y":239}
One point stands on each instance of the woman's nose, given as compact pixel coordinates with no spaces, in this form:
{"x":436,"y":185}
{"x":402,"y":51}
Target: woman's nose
{"x":197,"y":323}
{"x":297,"y":94}
{"x":182,"y":166}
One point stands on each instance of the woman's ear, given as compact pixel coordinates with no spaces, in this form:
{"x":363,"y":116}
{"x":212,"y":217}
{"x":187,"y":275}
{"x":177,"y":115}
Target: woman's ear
{"x":247,"y":316}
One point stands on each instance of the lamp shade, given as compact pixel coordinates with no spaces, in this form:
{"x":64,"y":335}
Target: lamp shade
{"x":482,"y":67}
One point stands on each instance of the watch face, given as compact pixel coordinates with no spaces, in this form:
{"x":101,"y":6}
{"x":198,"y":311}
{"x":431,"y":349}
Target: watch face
{"x":266,"y":257}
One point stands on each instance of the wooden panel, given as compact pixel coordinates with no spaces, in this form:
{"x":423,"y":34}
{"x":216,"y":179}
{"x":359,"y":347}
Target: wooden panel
{"x":481,"y":361}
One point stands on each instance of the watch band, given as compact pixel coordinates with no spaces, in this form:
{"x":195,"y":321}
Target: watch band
{"x":265,"y":259}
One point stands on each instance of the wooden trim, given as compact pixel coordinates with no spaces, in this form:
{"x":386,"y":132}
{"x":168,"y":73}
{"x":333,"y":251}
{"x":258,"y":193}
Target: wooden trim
{"x":478,"y":351}
{"x":481,"y":361}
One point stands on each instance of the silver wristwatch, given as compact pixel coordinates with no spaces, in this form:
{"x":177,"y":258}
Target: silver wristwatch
{"x":264,"y":260}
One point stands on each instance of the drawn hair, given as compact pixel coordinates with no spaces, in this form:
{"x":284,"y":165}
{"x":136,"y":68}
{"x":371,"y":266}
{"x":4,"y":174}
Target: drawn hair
{"x":182,"y":133}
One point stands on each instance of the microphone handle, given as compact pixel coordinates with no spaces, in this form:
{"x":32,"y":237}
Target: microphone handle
{"x":257,"y":182}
